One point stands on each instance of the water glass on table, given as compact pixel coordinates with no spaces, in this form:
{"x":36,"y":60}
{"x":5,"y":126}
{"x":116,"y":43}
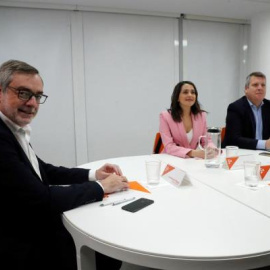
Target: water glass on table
{"x":153,"y":171}
{"x":232,"y":151}
{"x":252,"y":173}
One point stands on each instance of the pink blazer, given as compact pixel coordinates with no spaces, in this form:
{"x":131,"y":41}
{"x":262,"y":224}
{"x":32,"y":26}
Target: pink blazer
{"x":174,"y":136}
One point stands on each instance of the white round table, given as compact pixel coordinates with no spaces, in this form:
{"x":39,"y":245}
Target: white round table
{"x":209,"y":223}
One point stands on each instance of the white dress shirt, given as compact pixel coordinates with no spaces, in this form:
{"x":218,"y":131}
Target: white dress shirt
{"x":22,"y":135}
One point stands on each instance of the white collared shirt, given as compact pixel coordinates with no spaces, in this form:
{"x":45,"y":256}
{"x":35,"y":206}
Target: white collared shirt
{"x":23,"y":137}
{"x":257,"y":112}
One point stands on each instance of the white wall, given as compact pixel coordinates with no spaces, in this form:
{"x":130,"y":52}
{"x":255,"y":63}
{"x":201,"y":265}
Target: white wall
{"x":215,"y":61}
{"x":42,"y":38}
{"x":112,"y":92}
{"x":131,"y":67}
{"x":108,"y":76}
{"x":260,"y":43}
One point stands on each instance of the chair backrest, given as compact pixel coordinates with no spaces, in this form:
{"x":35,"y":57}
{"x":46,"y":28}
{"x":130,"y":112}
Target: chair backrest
{"x":223,"y":130}
{"x":158,"y":145}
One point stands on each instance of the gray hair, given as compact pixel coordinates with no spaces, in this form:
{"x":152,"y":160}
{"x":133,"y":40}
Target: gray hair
{"x":10,"y":67}
{"x":254,"y":74}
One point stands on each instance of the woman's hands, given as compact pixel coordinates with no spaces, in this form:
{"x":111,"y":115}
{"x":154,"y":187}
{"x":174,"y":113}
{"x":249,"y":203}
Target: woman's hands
{"x":198,"y":153}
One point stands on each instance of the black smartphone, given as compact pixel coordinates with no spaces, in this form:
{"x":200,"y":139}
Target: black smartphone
{"x":266,"y":154}
{"x":137,"y":205}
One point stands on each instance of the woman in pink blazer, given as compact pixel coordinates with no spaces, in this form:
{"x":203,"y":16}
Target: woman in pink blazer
{"x":183,"y":124}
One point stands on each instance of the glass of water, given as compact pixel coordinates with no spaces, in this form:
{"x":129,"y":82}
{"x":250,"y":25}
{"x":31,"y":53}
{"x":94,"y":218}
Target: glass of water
{"x":252,"y":173}
{"x":153,"y":171}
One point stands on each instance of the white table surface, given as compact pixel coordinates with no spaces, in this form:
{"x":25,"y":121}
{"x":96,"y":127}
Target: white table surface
{"x":210,"y":223}
{"x":228,"y":182}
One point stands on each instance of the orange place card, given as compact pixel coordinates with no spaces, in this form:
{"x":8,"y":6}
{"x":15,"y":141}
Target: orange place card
{"x":174,"y":175}
{"x":265,"y":173}
{"x":168,"y":169}
{"x":237,"y":162}
{"x":136,"y":186}
{"x":230,"y":161}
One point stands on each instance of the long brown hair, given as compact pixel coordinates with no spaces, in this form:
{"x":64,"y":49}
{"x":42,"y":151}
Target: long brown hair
{"x":175,"y":109}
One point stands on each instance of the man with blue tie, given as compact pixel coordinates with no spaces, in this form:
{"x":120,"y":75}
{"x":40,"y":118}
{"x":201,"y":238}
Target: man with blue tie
{"x":34,"y":194}
{"x":248,"y":118}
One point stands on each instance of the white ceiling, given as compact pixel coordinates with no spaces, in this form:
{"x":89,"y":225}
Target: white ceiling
{"x":236,"y":9}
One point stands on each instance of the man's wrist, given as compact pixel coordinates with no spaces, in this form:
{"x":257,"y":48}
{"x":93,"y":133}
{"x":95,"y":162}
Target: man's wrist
{"x":261,"y":144}
{"x":100,"y":184}
{"x":267,"y":146}
{"x":92,"y":175}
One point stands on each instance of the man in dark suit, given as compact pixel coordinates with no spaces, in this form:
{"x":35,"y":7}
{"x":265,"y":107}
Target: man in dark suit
{"x":248,"y":118}
{"x":32,"y":192}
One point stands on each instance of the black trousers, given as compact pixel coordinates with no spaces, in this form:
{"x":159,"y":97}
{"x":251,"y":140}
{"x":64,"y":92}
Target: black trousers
{"x":51,"y":251}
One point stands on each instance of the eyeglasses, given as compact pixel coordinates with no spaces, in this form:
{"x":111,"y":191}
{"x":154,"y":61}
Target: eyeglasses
{"x":26,"y":94}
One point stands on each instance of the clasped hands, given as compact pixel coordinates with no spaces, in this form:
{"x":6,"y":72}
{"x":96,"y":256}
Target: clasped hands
{"x":111,"y":178}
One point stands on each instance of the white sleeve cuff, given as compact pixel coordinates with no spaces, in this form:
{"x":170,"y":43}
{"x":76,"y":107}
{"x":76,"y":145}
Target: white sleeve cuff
{"x":100,"y":184}
{"x":92,"y":175}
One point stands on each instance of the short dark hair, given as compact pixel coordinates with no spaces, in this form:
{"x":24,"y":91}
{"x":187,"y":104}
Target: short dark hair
{"x":175,"y":109}
{"x":10,"y":67}
{"x":254,"y":74}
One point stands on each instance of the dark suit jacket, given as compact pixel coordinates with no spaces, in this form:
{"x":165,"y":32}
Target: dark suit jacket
{"x":31,"y":228}
{"x":241,"y":125}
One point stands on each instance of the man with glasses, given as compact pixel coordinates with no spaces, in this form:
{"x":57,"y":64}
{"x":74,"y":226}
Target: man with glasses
{"x":34,"y":194}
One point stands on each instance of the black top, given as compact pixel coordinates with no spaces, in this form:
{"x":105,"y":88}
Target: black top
{"x":31,"y":209}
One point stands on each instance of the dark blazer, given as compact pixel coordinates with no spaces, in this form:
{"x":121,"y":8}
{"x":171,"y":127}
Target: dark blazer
{"x":241,"y":125}
{"x":31,"y":228}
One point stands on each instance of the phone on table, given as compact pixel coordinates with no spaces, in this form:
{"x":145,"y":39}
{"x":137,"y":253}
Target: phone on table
{"x":137,"y":205}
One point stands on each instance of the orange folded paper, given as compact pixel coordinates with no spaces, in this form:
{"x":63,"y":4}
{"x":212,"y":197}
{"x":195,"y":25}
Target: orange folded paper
{"x":136,"y":186}
{"x":264,"y":170}
{"x":132,"y":185}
